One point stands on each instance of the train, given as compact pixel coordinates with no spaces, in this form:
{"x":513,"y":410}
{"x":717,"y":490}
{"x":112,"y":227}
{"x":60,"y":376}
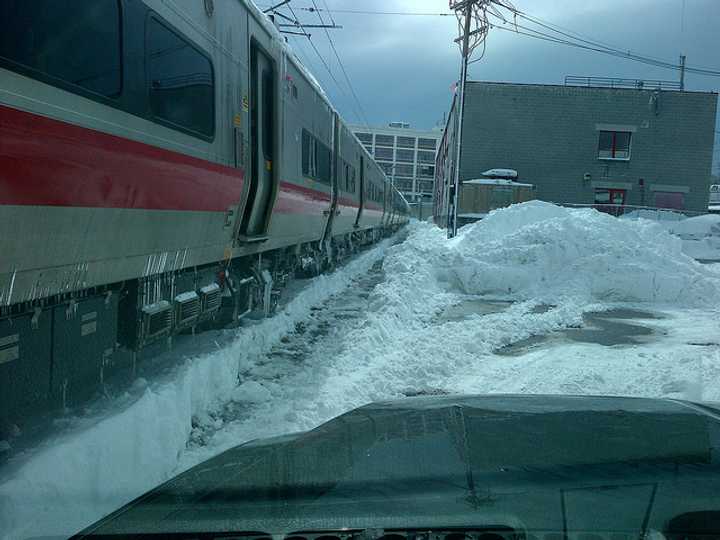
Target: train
{"x":165,"y":166}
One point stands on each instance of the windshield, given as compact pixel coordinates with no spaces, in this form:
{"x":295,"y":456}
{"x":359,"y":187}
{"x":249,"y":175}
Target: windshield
{"x":325,"y":269}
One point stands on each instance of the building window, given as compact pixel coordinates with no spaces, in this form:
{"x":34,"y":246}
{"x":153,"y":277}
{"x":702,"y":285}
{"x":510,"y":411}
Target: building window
{"x":425,"y":186}
{"x":406,"y":156}
{"x":384,"y":140}
{"x":181,"y":81}
{"x":668,"y":199}
{"x":383,"y":153}
{"x":426,"y":144}
{"x":426,"y":157}
{"x":406,"y":142}
{"x":404,"y":170}
{"x":403,"y":185}
{"x":365,"y":138}
{"x":426,"y":171}
{"x":65,"y":41}
{"x":614,"y":145}
{"x":610,"y":196}
{"x":386,"y":168}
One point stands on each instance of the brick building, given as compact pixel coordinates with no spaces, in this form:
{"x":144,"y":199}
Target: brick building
{"x":586,"y":144}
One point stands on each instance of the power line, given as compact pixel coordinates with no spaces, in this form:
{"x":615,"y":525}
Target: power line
{"x":531,"y":32}
{"x":362,"y":117}
{"x":369,"y":12}
{"x":595,"y":45}
{"x":317,"y":52}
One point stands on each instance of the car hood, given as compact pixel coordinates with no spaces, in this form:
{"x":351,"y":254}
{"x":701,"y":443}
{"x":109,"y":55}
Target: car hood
{"x":553,"y":463}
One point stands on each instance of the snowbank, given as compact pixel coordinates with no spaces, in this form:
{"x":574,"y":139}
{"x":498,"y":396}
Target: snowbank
{"x":542,"y":251}
{"x":82,"y":475}
{"x":700,"y":235}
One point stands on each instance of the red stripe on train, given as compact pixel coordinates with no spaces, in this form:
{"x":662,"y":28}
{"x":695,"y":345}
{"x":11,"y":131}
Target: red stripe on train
{"x":47,"y":162}
{"x":52,"y":163}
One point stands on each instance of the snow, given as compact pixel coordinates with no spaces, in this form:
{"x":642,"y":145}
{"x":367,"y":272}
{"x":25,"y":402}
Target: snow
{"x":186,"y":296}
{"x":496,"y":309}
{"x":542,"y":251}
{"x":495,"y":182}
{"x":86,"y":472}
{"x":501,"y":173}
{"x":700,"y":235}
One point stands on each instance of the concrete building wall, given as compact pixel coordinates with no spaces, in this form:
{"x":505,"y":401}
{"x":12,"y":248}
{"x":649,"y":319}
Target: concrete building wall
{"x":549,"y":134}
{"x":407,"y":156}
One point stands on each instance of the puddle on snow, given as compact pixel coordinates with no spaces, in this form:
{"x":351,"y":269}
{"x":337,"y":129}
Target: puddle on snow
{"x":607,"y":328}
{"x":473,"y":306}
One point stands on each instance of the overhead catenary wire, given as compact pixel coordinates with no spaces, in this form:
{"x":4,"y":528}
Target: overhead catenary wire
{"x":530,"y":32}
{"x":362,"y":116}
{"x":591,"y":44}
{"x":317,"y":52}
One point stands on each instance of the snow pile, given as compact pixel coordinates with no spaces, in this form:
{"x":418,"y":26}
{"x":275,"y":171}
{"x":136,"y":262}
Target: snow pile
{"x":700,"y":236}
{"x":542,"y":251}
{"x":82,"y":475}
{"x":555,"y":264}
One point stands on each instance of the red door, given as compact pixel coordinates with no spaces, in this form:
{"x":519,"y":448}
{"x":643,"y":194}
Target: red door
{"x":611,"y":201}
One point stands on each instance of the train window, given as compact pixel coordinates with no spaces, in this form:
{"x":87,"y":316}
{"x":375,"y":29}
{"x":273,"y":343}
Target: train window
{"x":75,"y":42}
{"x":323,"y":161}
{"x":309,"y":155}
{"x":180,"y":81}
{"x":268,"y":94}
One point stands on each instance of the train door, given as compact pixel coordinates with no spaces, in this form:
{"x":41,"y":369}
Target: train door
{"x":263,"y":168}
{"x":362,"y":192}
{"x":332,"y":212}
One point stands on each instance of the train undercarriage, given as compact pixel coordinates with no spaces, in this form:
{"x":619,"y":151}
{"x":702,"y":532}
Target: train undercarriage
{"x":72,"y":345}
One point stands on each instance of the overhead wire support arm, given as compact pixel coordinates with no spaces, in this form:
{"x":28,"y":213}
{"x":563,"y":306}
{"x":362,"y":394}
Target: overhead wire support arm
{"x":276,"y":6}
{"x":310,"y":25}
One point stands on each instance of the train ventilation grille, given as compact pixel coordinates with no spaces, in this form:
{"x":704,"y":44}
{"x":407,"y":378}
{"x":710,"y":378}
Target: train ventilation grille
{"x":187,"y":309}
{"x":210,"y":299}
{"x":157,"y":319}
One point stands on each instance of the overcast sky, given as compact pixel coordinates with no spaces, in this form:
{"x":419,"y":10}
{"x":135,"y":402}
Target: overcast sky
{"x":403,"y":68}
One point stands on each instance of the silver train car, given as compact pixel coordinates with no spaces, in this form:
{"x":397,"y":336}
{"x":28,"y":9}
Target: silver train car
{"x":163,"y":164}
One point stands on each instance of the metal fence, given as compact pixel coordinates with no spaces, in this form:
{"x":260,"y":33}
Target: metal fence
{"x":613,"y":82}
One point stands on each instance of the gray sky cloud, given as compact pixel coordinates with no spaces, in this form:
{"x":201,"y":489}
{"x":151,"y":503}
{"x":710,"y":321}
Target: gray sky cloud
{"x":403,"y":68}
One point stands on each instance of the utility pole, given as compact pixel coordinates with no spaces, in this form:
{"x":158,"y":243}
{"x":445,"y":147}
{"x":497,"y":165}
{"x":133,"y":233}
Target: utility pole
{"x":682,"y":72}
{"x":469,"y":13}
{"x":467,"y":7}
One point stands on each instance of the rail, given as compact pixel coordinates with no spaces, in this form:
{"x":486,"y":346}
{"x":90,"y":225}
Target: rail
{"x":646,"y":212}
{"x":613,"y":82}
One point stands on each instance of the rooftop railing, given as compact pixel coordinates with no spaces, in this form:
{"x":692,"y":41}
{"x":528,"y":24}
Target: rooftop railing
{"x":613,"y":82}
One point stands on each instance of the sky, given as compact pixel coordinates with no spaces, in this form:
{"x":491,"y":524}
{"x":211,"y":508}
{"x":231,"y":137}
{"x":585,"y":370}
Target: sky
{"x":402,"y":68}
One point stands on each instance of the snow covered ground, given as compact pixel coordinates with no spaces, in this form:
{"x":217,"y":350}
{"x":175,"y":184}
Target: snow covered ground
{"x":533,"y":299}
{"x":700,"y":234}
